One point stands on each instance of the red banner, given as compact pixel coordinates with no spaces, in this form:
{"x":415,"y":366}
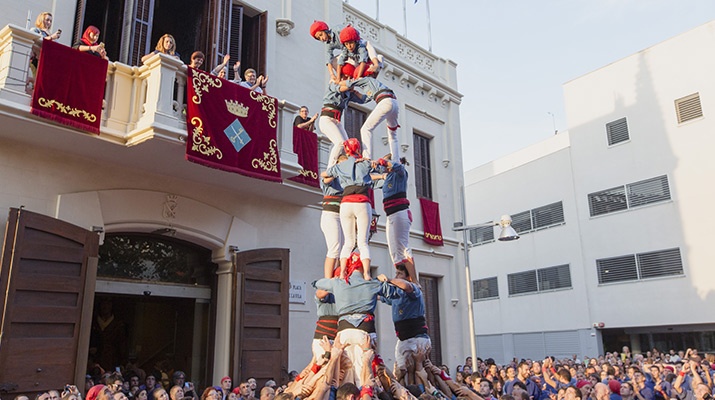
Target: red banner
{"x":431,"y":222}
{"x":231,"y":128}
{"x":69,"y":87}
{"x":305,"y":145}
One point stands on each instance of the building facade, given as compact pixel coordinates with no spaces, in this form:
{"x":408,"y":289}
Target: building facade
{"x":615,"y":246}
{"x":201,"y":270}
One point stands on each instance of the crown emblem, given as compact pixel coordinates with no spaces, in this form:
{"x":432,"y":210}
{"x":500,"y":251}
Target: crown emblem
{"x":236,"y":109}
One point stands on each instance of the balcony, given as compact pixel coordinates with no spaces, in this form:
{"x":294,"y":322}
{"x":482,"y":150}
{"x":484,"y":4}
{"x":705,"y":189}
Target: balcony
{"x":143,"y":123}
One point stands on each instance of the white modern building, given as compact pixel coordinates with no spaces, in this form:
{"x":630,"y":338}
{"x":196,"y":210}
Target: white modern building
{"x":614,"y":216}
{"x":207,"y":271}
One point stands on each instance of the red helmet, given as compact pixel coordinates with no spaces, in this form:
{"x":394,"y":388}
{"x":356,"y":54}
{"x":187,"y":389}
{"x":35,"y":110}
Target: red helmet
{"x":349,"y":34}
{"x":352,"y":147}
{"x":318,"y":26}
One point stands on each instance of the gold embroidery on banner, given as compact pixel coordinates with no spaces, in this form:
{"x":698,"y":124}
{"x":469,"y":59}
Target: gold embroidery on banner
{"x":270,"y":158}
{"x":269,"y":104}
{"x":66,"y":109}
{"x":236,"y":108}
{"x":201,"y":82}
{"x":433,"y":236}
{"x":201,"y":142}
{"x":305,"y":172}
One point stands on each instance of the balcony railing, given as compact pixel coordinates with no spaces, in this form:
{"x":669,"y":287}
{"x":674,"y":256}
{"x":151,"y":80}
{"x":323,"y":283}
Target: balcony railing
{"x":141,"y":103}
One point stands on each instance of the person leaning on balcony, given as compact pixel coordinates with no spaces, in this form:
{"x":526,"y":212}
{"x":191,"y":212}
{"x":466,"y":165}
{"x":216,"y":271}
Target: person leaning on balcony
{"x":43,"y":23}
{"x":303,"y":122}
{"x":222,"y":66}
{"x":257,"y":84}
{"x":89,"y":43}
{"x":166,"y":45}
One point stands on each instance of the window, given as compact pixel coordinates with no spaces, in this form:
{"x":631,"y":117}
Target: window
{"x":483,"y":289}
{"x":688,"y":108}
{"x":617,"y":131}
{"x":482,"y":234}
{"x":648,"y":191}
{"x":540,"y":280}
{"x":548,"y":215}
{"x":551,"y":278}
{"x":423,"y":171}
{"x":660,"y":263}
{"x":353,"y":120}
{"x":522,"y":282}
{"x":636,"y":194}
{"x":154,"y":259}
{"x":617,"y":269}
{"x":538,"y":218}
{"x":521,"y":222}
{"x":607,"y":201}
{"x":635,"y":267}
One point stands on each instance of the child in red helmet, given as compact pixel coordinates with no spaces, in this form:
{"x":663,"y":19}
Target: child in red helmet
{"x":319,"y":30}
{"x":355,"y":51}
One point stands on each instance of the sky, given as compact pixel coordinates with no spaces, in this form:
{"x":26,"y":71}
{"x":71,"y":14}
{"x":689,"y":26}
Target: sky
{"x":513,"y":56}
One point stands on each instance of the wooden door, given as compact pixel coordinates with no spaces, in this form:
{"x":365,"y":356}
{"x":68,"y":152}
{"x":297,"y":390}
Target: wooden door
{"x":431,"y":297}
{"x":260,"y":339}
{"x":47,"y":280}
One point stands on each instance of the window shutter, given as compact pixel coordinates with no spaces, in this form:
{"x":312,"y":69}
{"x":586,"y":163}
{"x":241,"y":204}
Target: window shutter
{"x":522,"y":282}
{"x":607,"y":201}
{"x":688,"y":108}
{"x":617,"y":269}
{"x":521,"y":222}
{"x":486,"y":288}
{"x":558,"y":277}
{"x":660,"y":263}
{"x":141,"y":30}
{"x":423,"y":170}
{"x":235,"y":40}
{"x":79,"y":20}
{"x":548,"y":215}
{"x":617,"y":131}
{"x":481,"y":234}
{"x":648,"y":191}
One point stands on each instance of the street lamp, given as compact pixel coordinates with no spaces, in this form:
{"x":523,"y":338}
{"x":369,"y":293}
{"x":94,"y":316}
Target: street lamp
{"x":507,"y":234}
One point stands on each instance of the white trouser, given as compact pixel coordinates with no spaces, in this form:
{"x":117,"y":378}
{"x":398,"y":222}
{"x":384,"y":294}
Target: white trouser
{"x":406,"y":349}
{"x":352,"y":216}
{"x":387,"y":109}
{"x":330,"y":225}
{"x":353,"y":339}
{"x":397,"y":230}
{"x":318,"y":351}
{"x":333,"y":129}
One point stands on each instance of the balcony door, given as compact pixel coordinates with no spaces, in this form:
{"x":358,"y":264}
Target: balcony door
{"x":131,"y":28}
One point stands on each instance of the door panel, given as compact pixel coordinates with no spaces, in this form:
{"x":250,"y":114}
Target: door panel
{"x":260,"y":349}
{"x":46,"y":265}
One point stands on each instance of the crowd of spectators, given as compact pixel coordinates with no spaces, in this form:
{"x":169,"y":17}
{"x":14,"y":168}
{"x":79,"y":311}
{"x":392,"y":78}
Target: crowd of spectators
{"x":682,"y":375}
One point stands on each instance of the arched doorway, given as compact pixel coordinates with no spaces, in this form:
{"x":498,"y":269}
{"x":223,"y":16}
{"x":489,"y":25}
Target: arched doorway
{"x":153,"y":307}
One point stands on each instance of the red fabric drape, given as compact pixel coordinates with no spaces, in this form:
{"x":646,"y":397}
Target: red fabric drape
{"x":69,"y":87}
{"x":305,"y":145}
{"x":231,"y":128}
{"x":432,"y":224}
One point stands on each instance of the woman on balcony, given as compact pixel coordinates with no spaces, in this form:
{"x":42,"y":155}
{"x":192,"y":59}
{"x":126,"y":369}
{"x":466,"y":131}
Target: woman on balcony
{"x":89,"y":43}
{"x":166,"y":45}
{"x":43,"y":23}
